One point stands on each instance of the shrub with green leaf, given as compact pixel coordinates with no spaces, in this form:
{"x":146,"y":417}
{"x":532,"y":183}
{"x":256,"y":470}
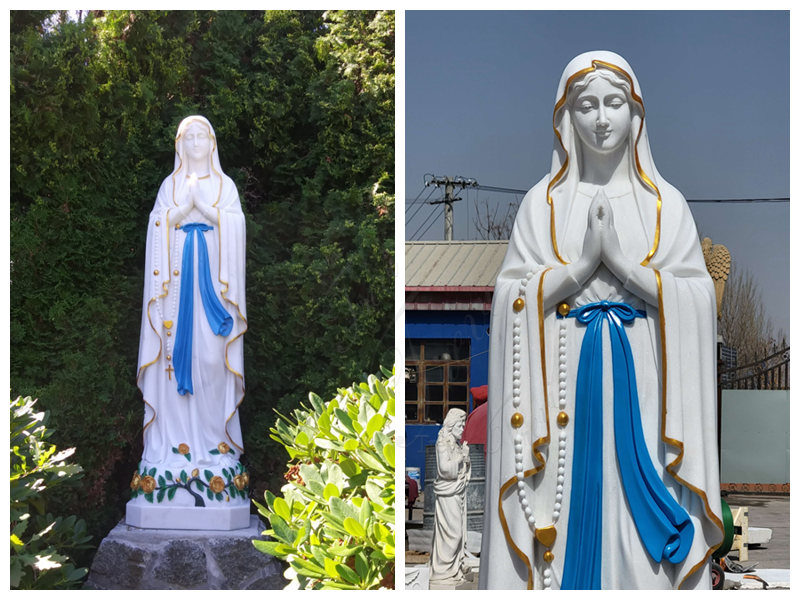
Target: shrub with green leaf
{"x":40,"y":542}
{"x":334,"y":524}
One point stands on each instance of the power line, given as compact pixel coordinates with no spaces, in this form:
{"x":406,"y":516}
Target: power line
{"x":431,"y":215}
{"x":422,"y":203}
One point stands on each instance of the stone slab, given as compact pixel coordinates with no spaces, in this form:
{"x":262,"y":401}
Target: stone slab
{"x":777,"y":579}
{"x":187,"y":517}
{"x":134,"y":558}
{"x":758,"y":536}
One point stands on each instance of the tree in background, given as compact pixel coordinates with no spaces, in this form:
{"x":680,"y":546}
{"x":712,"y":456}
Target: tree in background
{"x":303,"y":103}
{"x":743,"y":322}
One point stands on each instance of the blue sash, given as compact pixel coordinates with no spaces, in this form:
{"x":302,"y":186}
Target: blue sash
{"x":663,"y":525}
{"x":219,"y":320}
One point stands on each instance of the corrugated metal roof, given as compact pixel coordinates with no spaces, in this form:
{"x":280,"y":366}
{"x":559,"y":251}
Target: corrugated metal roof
{"x":454,"y":264}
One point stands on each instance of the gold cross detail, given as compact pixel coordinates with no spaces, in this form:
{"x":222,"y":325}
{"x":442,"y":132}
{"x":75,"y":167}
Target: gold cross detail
{"x":169,"y":371}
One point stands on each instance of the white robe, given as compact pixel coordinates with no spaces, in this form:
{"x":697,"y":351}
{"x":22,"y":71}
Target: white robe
{"x":679,"y":425}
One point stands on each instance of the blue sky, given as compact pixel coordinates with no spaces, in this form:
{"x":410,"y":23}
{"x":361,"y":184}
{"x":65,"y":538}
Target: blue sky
{"x":480,"y":87}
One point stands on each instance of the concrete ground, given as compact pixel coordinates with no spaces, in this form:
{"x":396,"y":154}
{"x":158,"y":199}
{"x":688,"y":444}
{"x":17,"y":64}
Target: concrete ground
{"x":771,"y":512}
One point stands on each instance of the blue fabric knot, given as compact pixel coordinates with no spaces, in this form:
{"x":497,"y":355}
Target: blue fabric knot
{"x":219,"y":320}
{"x":663,"y":525}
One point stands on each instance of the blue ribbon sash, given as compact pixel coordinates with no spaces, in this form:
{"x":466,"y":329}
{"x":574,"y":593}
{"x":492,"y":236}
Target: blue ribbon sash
{"x":219,"y":320}
{"x":663,"y":525}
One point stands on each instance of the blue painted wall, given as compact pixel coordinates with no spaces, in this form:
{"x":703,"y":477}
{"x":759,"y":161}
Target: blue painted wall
{"x":446,"y":324}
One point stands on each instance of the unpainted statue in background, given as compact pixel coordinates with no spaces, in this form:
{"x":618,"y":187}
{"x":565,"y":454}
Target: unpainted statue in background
{"x":450,"y":514}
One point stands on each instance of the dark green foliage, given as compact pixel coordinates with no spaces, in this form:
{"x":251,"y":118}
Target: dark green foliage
{"x":303,"y":107}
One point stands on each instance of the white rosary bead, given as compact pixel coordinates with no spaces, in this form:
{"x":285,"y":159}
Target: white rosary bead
{"x":532,"y":521}
{"x":562,"y":436}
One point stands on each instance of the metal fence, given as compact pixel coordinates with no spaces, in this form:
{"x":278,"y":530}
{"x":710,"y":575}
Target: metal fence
{"x":768,"y":373}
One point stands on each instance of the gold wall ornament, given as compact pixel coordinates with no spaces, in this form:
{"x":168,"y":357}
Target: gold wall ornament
{"x":516,"y":420}
{"x":518,"y":305}
{"x":168,"y":324}
{"x":562,"y":419}
{"x":176,"y":272}
{"x":156,"y":272}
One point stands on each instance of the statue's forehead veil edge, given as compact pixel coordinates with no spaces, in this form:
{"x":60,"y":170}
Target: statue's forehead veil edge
{"x":187,"y":121}
{"x":589,"y":61}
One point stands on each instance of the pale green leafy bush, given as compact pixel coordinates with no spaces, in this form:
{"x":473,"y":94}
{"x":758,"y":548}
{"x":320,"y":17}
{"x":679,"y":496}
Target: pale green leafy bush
{"x":40,"y":542}
{"x":335,"y":522}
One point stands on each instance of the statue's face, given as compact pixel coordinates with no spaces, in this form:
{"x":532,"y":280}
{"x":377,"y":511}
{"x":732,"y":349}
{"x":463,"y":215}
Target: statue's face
{"x":196,"y":141}
{"x":458,"y":429}
{"x":601,"y":116}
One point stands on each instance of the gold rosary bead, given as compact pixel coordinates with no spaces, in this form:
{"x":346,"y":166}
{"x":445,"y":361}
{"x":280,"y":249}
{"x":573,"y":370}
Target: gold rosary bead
{"x":516,"y":420}
{"x":562,"y":419}
{"x":519,"y":304}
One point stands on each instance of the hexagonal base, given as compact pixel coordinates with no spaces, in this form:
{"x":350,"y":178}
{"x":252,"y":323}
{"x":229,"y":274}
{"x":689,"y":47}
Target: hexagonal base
{"x":187,"y":517}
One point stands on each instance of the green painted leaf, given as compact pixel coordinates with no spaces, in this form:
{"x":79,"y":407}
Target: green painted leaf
{"x":184,"y":476}
{"x":168,"y":475}
{"x":188,"y":456}
{"x":160,"y":495}
{"x":209,"y":475}
{"x":171,"y":492}
{"x":209,"y":493}
{"x":161,"y":482}
{"x":175,"y":451}
{"x":152,"y":472}
{"x":214,"y":451}
{"x":149,"y":497}
{"x":219,"y":496}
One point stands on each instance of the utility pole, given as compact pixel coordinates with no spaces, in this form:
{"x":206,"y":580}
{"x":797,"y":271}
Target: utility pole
{"x":449,"y":183}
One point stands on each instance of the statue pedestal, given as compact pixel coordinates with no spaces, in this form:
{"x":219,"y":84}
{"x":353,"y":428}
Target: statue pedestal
{"x":149,"y":516}
{"x":130,"y":558}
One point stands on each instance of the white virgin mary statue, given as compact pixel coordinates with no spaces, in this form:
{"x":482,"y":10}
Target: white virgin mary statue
{"x":190,"y":367}
{"x":602,"y":460}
